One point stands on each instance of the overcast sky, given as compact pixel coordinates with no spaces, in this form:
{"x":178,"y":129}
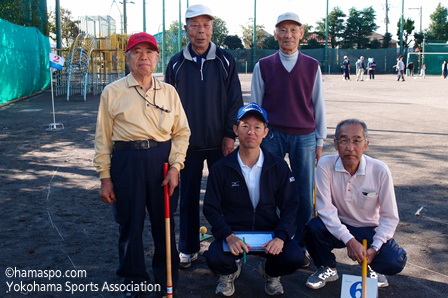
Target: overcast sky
{"x":237,"y":12}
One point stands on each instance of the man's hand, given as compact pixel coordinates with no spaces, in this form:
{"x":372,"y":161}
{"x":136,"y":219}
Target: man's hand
{"x":172,"y":179}
{"x":227,"y":145}
{"x":371,"y":254}
{"x":318,"y":153}
{"x":356,"y":250}
{"x":236,"y":245}
{"x":273,"y":247}
{"x":107,"y":191}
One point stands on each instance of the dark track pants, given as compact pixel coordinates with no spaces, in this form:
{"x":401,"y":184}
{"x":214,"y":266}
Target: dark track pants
{"x":287,"y":262}
{"x":320,"y":242}
{"x":190,"y":189}
{"x":137,"y":176}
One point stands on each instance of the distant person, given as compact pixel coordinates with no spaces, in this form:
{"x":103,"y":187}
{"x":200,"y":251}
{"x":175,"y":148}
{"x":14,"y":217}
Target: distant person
{"x":252,"y":189}
{"x":206,"y":79}
{"x":411,"y":68}
{"x":288,"y":85}
{"x":423,"y":71}
{"x":355,"y":201}
{"x":444,"y":69}
{"x":371,"y":66}
{"x":360,"y":68}
{"x":400,"y":68}
{"x":141,"y":125}
{"x":346,"y":66}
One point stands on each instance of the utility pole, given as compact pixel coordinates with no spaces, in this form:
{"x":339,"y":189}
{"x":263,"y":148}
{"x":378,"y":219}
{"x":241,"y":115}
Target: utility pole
{"x":179,"y":36}
{"x":58,"y":26}
{"x":254,"y":48}
{"x":386,"y":20}
{"x":144,"y":16}
{"x":326,"y":40}
{"x":401,"y":27}
{"x":125,"y":19}
{"x":163,"y":37}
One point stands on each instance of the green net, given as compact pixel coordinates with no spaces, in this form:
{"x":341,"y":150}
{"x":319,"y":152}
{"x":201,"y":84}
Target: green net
{"x":30,"y":13}
{"x":24,"y":59}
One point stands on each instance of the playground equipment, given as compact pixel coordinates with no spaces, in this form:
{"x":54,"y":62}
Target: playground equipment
{"x":78,"y":64}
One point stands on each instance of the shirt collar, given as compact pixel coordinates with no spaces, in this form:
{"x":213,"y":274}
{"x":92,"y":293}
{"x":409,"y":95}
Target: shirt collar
{"x":131,"y":81}
{"x":339,"y":167}
{"x":259,"y":163}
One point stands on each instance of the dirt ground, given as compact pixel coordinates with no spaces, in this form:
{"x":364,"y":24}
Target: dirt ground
{"x":51,"y":217}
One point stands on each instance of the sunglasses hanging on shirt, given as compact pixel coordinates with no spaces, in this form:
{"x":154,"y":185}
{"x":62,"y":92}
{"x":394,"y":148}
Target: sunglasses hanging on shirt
{"x":154,"y":100}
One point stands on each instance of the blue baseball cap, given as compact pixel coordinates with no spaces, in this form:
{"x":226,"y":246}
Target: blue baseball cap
{"x":252,"y":107}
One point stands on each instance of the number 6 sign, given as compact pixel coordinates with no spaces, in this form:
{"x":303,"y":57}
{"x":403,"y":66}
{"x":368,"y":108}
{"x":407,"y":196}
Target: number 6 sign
{"x":352,"y":287}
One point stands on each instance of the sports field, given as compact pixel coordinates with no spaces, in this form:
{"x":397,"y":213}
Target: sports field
{"x":53,"y":219}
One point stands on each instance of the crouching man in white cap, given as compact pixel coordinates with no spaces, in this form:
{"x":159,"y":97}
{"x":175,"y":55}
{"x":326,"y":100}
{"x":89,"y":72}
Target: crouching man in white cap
{"x":244,"y":191}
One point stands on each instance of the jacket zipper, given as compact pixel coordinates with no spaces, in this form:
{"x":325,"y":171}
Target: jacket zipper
{"x":202,"y":64}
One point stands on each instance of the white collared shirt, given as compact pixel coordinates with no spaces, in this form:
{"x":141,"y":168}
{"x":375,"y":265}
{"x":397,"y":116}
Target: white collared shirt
{"x":365,"y":199}
{"x":252,"y":178}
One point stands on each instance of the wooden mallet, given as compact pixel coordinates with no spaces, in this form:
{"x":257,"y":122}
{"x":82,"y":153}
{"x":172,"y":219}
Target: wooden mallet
{"x":364,"y":272}
{"x":169,"y":277}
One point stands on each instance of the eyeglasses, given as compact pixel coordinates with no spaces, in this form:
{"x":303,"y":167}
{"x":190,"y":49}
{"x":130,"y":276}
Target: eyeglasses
{"x":355,"y":143}
{"x":154,"y":100}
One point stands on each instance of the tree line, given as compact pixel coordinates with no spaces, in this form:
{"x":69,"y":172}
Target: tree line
{"x":350,"y":30}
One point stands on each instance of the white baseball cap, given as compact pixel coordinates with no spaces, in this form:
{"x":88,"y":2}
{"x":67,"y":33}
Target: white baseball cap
{"x":288,"y":16}
{"x":198,"y":10}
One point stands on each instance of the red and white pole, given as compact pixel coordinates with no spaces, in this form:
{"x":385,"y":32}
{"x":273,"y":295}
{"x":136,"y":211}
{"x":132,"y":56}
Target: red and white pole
{"x":169,"y":278}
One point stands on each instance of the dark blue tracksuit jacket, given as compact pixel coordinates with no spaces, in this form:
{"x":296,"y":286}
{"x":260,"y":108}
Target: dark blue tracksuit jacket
{"x":227,"y":205}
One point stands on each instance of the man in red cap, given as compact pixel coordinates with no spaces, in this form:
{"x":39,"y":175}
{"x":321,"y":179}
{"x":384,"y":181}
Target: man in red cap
{"x":141,"y":125}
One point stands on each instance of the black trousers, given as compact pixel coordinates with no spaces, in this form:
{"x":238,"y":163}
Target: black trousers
{"x":320,"y":242}
{"x":137,"y":176}
{"x":287,"y":262}
{"x":190,"y":191}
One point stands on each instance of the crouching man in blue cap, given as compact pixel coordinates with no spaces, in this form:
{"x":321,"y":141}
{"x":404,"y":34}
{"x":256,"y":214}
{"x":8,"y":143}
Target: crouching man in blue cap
{"x":244,"y":191}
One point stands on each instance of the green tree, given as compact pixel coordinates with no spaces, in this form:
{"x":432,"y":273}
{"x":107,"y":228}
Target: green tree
{"x":172,"y":36}
{"x":335,"y":26}
{"x":69,"y":28}
{"x":438,"y":28}
{"x":220,"y":31}
{"x":408,"y":27}
{"x":270,"y":43}
{"x":386,"y":40}
{"x":307,"y":31}
{"x":418,"y":39}
{"x":233,"y":42}
{"x":248,"y":34}
{"x":375,"y":44}
{"x":359,"y":25}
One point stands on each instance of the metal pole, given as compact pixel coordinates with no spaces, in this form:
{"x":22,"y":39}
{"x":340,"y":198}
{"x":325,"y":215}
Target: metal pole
{"x":326,"y":40}
{"x":58,"y":26}
{"x":144,"y":16}
{"x":163,"y":37}
{"x":179,"y":35}
{"x":401,"y":27}
{"x":254,"y":48}
{"x":421,"y":15}
{"x":125,"y":20}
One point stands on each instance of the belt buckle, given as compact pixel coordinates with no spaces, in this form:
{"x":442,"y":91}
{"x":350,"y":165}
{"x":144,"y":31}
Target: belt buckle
{"x":145,"y":144}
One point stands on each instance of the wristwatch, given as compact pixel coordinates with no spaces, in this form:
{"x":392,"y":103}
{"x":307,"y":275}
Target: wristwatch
{"x":375,"y":248}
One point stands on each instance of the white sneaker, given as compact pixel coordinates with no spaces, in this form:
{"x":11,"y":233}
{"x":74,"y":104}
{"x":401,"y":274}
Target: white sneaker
{"x":226,"y":286}
{"x":319,"y":278}
{"x":186,"y":259}
{"x":382,"y":280}
{"x":273,"y":286}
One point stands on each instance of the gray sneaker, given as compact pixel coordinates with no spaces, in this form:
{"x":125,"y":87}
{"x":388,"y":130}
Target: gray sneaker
{"x":319,"y":278}
{"x":382,"y":280}
{"x":273,"y":286}
{"x":186,"y":259}
{"x":226,"y":285}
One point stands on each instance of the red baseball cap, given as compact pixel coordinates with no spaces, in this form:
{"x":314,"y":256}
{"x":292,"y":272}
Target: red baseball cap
{"x":137,"y":38}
